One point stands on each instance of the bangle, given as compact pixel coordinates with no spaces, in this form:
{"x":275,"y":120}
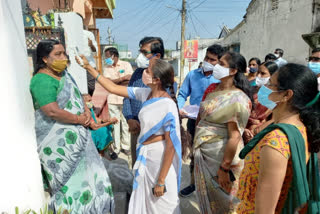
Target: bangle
{"x":97,"y":77}
{"x":224,"y":169}
{"x":160,"y":185}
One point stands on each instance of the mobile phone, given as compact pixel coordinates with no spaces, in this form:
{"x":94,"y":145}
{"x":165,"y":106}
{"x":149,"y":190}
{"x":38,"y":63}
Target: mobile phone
{"x":165,"y":190}
{"x":232,"y":178}
{"x":76,"y":51}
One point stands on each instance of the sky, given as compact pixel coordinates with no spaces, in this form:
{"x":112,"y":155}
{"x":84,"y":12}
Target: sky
{"x":135,"y":19}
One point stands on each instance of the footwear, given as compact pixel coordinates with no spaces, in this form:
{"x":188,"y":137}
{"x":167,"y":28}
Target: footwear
{"x":126,"y":151}
{"x":113,"y":156}
{"x":187,"y":191}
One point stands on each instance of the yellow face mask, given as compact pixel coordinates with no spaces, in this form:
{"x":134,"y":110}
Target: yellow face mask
{"x":59,"y":65}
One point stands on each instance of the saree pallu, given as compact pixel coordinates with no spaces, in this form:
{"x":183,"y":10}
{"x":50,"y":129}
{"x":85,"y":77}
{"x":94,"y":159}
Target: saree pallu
{"x":76,"y":178}
{"x":157,"y":116}
{"x":216,"y":111}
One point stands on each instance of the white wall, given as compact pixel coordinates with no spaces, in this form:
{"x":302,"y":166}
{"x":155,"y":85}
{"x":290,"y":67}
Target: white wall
{"x":73,"y":29}
{"x":20,"y":180}
{"x":265,"y":30}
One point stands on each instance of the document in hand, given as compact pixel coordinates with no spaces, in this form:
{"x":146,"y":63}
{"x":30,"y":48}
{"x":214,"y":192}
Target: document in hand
{"x":191,"y":111}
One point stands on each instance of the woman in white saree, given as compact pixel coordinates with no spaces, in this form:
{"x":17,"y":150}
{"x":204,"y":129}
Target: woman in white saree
{"x":157,"y":171}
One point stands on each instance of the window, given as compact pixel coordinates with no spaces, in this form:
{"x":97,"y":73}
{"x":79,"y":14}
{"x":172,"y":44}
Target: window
{"x":274,"y":4}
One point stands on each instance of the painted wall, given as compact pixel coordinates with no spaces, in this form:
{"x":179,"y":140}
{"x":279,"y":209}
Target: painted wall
{"x":20,"y":180}
{"x":74,"y":37}
{"x":265,"y":29}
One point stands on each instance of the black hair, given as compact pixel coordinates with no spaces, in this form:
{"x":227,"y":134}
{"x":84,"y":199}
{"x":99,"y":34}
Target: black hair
{"x":303,"y":82}
{"x":217,"y":50}
{"x":237,"y":61}
{"x":157,"y":46}
{"x":43,"y":49}
{"x":258,"y":61}
{"x":271,"y":66}
{"x":80,"y":16}
{"x":270,"y":57}
{"x":315,"y":50}
{"x":280,"y":51}
{"x":113,"y":51}
{"x":165,"y":72}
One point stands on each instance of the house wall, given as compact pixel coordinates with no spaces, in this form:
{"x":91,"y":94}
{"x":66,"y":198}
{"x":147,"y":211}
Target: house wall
{"x":21,"y":181}
{"x":263,"y":30}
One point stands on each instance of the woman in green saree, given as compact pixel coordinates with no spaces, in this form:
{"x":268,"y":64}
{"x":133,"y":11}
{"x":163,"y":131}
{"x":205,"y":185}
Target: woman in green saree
{"x":73,"y":172}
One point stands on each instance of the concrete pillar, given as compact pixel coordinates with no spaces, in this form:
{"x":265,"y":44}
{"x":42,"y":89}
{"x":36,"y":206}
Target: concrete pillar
{"x":20,"y":180}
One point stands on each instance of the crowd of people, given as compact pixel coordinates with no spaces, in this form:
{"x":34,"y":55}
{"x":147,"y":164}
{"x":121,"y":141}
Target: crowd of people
{"x":256,"y":136}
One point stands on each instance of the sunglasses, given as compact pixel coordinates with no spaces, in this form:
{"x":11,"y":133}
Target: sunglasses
{"x":144,"y":52}
{"x":313,"y":58}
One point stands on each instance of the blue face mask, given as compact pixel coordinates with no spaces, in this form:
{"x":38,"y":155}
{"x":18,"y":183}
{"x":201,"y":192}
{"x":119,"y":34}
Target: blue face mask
{"x":109,"y":61}
{"x":253,"y":70}
{"x":263,"y":97}
{"x":315,"y":67}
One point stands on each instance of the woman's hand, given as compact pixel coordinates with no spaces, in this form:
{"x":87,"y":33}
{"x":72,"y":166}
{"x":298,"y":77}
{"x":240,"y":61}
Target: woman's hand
{"x":84,"y":60}
{"x":113,"y":120}
{"x":248,"y":135}
{"x":94,"y":126}
{"x":84,"y":120}
{"x":158,"y":191}
{"x":224,"y":180}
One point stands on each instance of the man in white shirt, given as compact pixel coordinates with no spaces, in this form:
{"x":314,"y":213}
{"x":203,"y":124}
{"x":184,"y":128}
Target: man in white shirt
{"x":279,"y":54}
{"x":90,"y":47}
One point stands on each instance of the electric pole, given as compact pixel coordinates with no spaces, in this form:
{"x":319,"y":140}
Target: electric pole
{"x":109,"y":36}
{"x":183,"y":22}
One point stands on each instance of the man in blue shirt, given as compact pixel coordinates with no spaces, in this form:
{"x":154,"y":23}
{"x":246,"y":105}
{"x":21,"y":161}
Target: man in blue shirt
{"x":150,"y":48}
{"x":194,"y":85}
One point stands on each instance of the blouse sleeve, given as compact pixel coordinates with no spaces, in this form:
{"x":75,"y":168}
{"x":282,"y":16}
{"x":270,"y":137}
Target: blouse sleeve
{"x":44,"y":90}
{"x":278,"y":141}
{"x":137,"y":93}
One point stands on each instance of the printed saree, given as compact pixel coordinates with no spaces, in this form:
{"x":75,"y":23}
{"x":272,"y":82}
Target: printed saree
{"x":216,"y":111}
{"x":72,"y":169}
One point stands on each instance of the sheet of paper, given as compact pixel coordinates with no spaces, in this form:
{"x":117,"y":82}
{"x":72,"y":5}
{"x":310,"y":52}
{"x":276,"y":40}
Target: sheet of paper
{"x":191,"y":111}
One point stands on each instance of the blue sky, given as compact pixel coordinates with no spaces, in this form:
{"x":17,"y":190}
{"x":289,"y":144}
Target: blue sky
{"x":134,"y":19}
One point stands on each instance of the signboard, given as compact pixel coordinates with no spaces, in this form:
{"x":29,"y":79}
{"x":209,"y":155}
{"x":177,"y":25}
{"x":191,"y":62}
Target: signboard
{"x":191,"y":49}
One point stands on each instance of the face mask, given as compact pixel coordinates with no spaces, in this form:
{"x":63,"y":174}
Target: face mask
{"x":59,"y":65}
{"x":253,"y":70}
{"x":263,"y":97}
{"x":109,"y":61}
{"x":277,"y":55}
{"x":220,"y":72}
{"x":315,"y":67}
{"x":206,"y":66}
{"x":146,"y":78}
{"x":260,"y":81}
{"x":142,"y":61}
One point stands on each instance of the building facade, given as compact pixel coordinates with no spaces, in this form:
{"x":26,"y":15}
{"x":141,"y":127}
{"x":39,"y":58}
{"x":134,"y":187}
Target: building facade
{"x":272,"y":24}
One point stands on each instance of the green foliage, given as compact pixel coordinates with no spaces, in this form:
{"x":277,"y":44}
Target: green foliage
{"x":41,"y":211}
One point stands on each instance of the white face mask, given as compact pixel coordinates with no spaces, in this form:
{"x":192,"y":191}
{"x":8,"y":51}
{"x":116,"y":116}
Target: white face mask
{"x":142,"y":61}
{"x":220,"y":72}
{"x":207,"y":66}
{"x":260,"y":81}
{"x":277,"y":55}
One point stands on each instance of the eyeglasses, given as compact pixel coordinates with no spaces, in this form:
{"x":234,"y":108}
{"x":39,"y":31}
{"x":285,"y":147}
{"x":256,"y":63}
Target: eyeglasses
{"x":144,"y":52}
{"x":313,"y":59}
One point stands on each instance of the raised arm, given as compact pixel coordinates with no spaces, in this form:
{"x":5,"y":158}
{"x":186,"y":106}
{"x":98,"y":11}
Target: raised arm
{"x":104,"y":82}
